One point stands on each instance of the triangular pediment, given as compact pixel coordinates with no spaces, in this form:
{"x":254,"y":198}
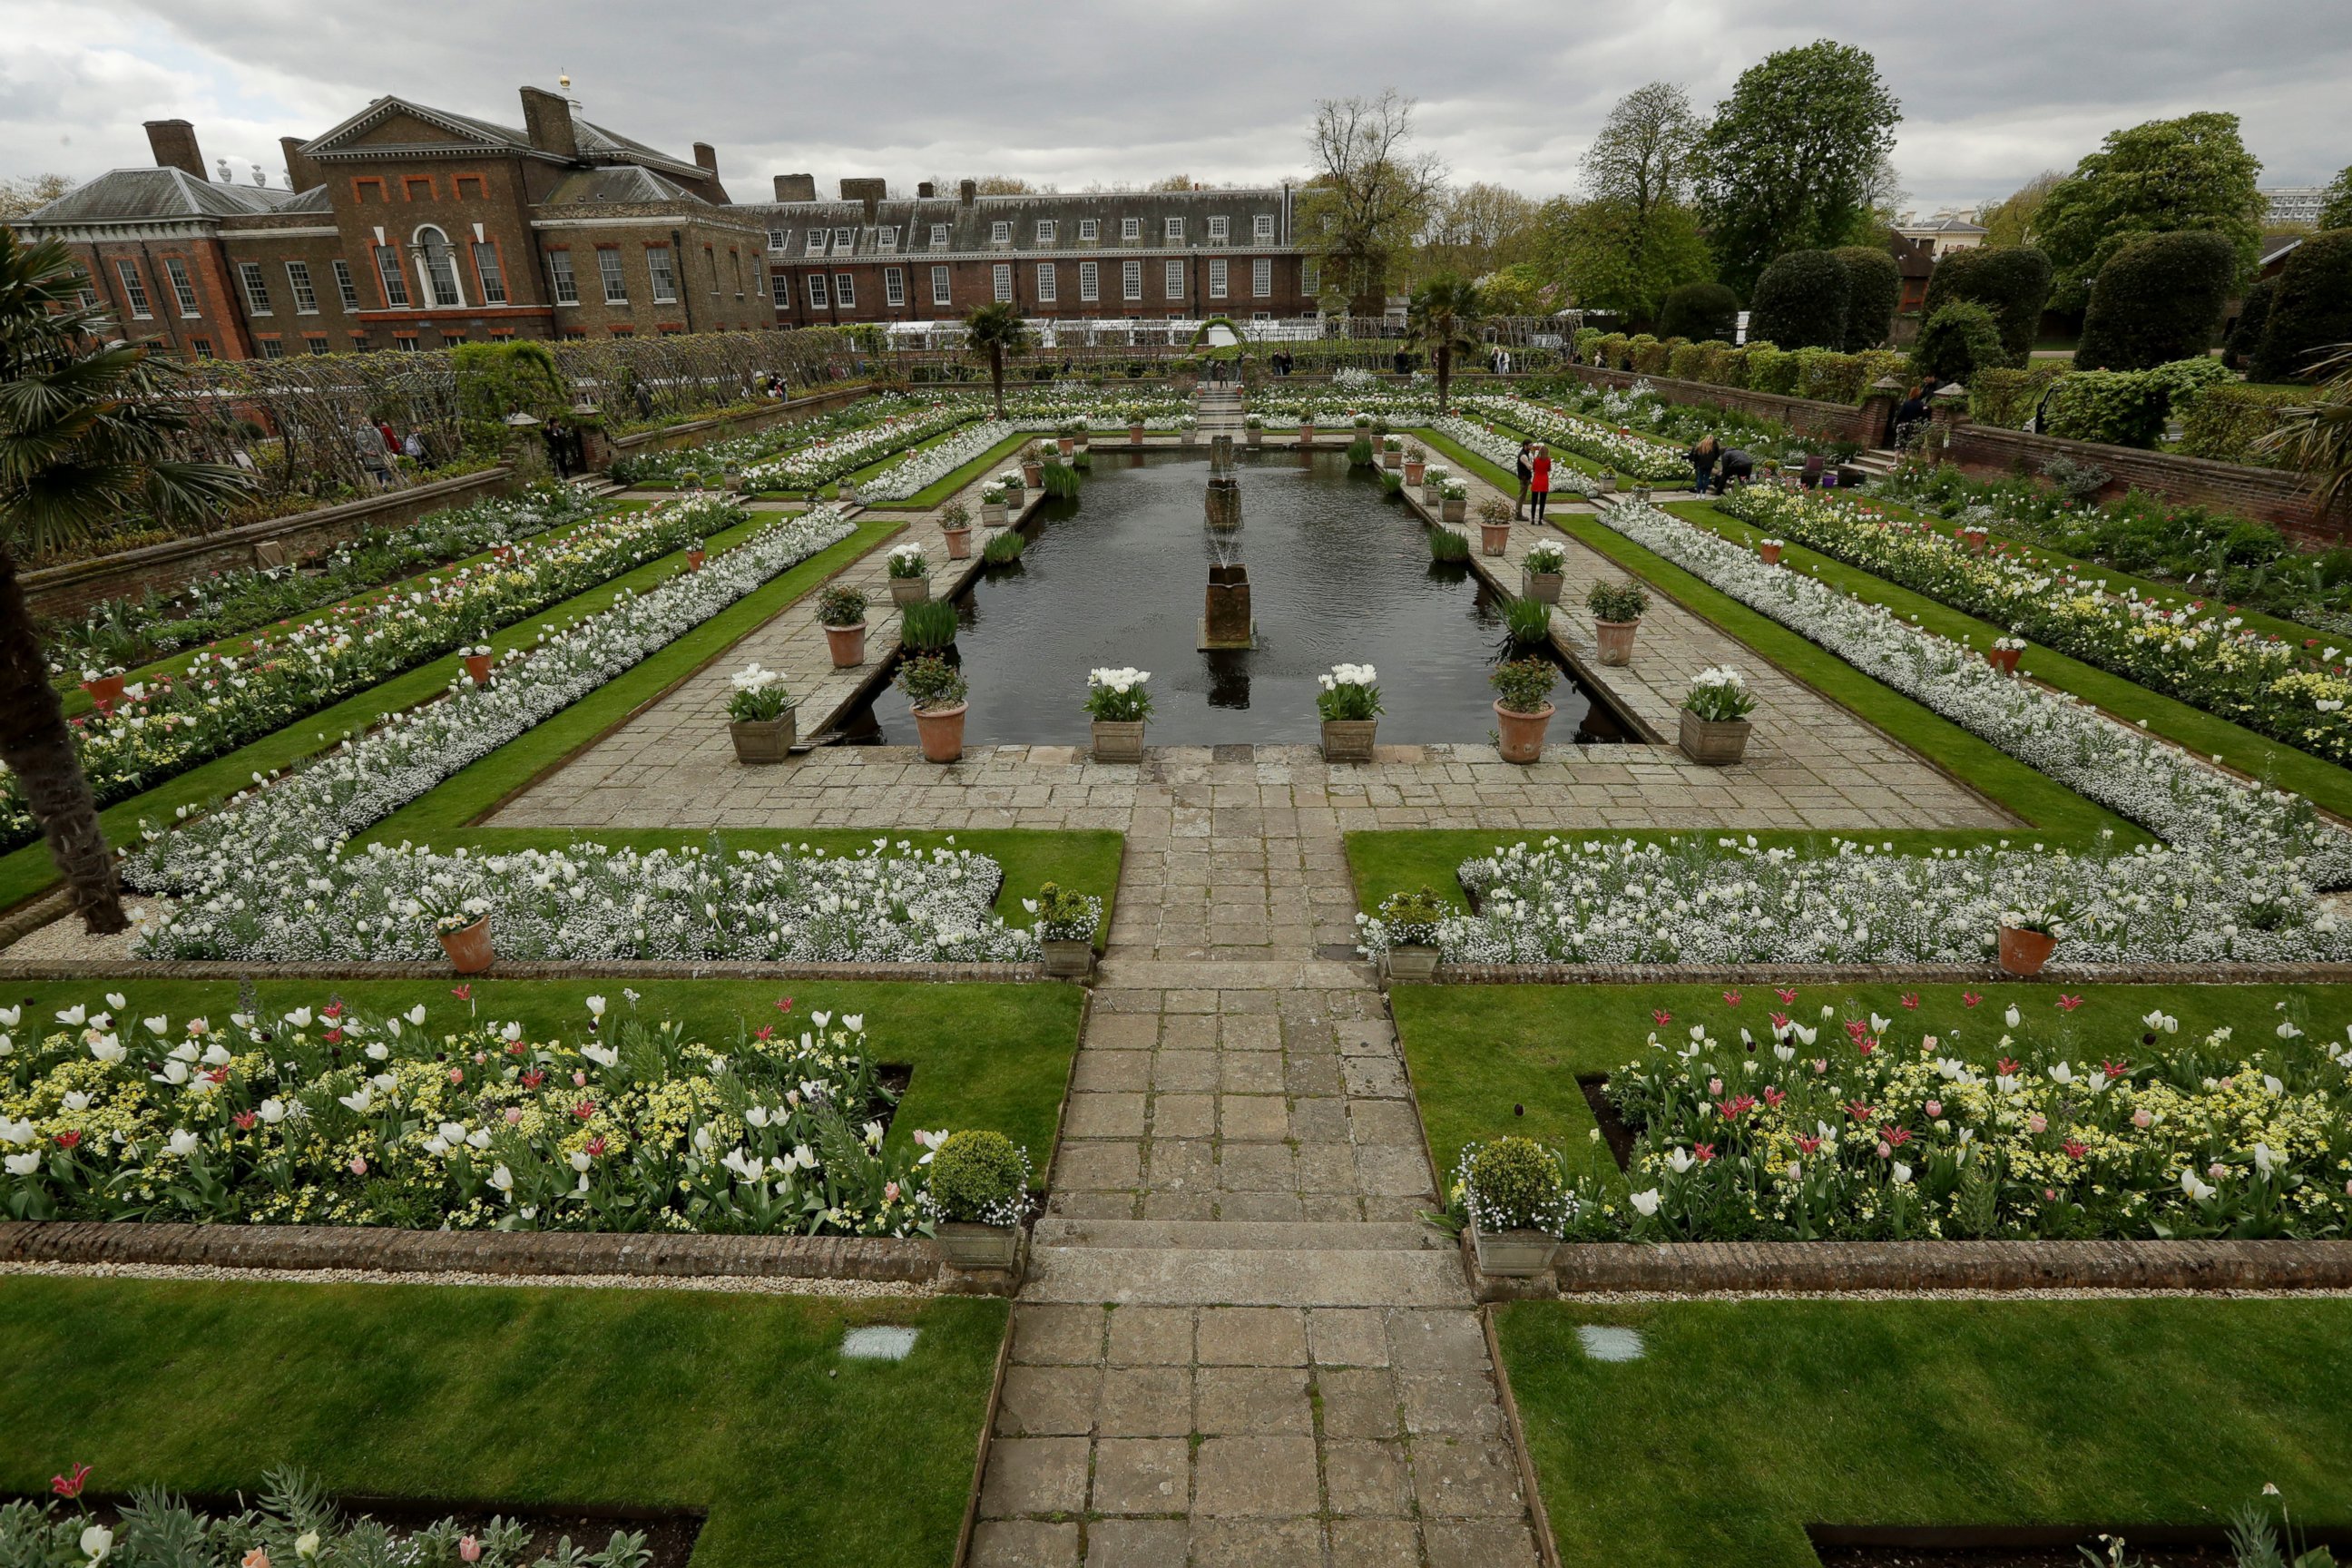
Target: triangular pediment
{"x":395,"y":123}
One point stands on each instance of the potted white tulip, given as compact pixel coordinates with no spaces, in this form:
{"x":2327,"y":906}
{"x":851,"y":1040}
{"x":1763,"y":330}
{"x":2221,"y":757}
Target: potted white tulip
{"x":761,"y":715}
{"x":1541,"y":572}
{"x":1349,"y":704}
{"x":1715,"y":718}
{"x":910,"y":575}
{"x":1120,"y":707}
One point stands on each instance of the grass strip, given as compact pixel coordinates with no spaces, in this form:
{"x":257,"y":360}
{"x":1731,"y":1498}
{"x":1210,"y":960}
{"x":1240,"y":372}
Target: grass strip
{"x":738,"y":1403}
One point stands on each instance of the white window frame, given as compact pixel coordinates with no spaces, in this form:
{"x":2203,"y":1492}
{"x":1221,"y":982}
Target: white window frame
{"x":1090,"y":282}
{"x":815,"y":243}
{"x":1001,"y":232}
{"x":938,"y":234}
{"x":563,"y":279}
{"x":1000,"y":278}
{"x":845,"y":240}
{"x":1090,"y":229}
{"x":255,"y":286}
{"x":1131,"y":228}
{"x":887,"y":238}
{"x":1221,"y":229}
{"x":184,"y":289}
{"x":346,"y":287}
{"x":1262,"y":278}
{"x":1048,"y":288}
{"x":662,"y":296}
{"x":1173,"y":271}
{"x":485,"y":251}
{"x":134,"y":289}
{"x":893,"y":285}
{"x":1310,"y":278}
{"x":1216,"y":277}
{"x":388,"y":274}
{"x":779,"y":240}
{"x":428,"y":284}
{"x":1172,"y":229}
{"x":306,"y":293}
{"x":1262,"y":228}
{"x":1047,"y":230}
{"x":269,"y":348}
{"x":613,"y":273}
{"x":844,"y":291}
{"x":817,"y":298}
{"x":1131,"y":279}
{"x":318,"y":345}
{"x":942,"y":286}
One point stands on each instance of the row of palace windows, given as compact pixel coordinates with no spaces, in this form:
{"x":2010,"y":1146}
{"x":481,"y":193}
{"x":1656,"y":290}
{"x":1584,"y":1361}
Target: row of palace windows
{"x":844,"y":241}
{"x":841,"y":290}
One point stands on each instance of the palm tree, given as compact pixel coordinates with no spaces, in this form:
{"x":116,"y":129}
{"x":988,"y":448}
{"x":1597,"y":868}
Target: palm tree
{"x":86,"y":435}
{"x":1000,"y":330}
{"x":1443,"y":316}
{"x":2317,"y":439}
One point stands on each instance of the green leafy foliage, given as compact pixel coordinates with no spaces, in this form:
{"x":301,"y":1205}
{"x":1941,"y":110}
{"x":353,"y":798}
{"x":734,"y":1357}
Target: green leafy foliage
{"x":1621,"y":257}
{"x":931,"y":683}
{"x":2163,"y":176}
{"x":2156,"y":299}
{"x":1619,"y":601}
{"x":1801,"y":301}
{"x":1699,"y":311}
{"x":1445,"y":545}
{"x":2311,"y":311}
{"x":1004,"y":549}
{"x":1528,"y":621}
{"x":2116,"y":407}
{"x":1874,"y":288}
{"x":2245,"y":339}
{"x":2227,"y":423}
{"x":977,"y":1176}
{"x":928,"y":624}
{"x":1517,"y":1184}
{"x":2008,"y":397}
{"x":2336,"y":202}
{"x":1959,"y":341}
{"x":1524,"y":685}
{"x":2012,"y":283}
{"x":495,"y":380}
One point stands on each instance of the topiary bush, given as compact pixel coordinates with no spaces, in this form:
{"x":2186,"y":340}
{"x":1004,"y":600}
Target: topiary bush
{"x":1648,"y":354}
{"x":978,"y":1177}
{"x":1514,"y":1184}
{"x":2158,"y":299}
{"x":1771,"y":369}
{"x":2116,"y":407}
{"x":1699,"y":311}
{"x":1873,"y":286}
{"x":1610,"y":351}
{"x":1801,"y":301}
{"x":2012,"y":283}
{"x":1688,"y":362}
{"x":1959,"y":340}
{"x":2311,"y":309}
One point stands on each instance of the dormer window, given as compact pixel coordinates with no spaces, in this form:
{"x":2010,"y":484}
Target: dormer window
{"x":1089,"y":229}
{"x":1173,"y":228}
{"x":780,"y":240}
{"x":1000,"y":234}
{"x":815,"y":243}
{"x":938,"y":235}
{"x":1221,"y":229}
{"x":1131,"y":228}
{"x":887,"y":238}
{"x":845,"y":240}
{"x":1045,"y":231}
{"x":1262,"y":228}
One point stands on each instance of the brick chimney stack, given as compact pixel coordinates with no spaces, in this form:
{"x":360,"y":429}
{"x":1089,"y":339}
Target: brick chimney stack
{"x":300,"y":173}
{"x":926,"y":191}
{"x":797,"y":188}
{"x":174,"y":143}
{"x":547,"y":121}
{"x":966,"y":190}
{"x":869,"y":193}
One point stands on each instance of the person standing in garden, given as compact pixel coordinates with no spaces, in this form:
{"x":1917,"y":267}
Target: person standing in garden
{"x":1526,"y":474}
{"x":1703,"y":458}
{"x":1539,"y":482}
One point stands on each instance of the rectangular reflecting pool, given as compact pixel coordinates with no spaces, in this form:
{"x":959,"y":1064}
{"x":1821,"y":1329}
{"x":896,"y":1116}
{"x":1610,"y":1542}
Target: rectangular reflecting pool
{"x":1339,"y":573}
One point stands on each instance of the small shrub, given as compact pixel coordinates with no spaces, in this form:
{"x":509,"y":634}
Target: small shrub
{"x":1359,"y":452}
{"x":1801,"y":301}
{"x":929,"y":626}
{"x":1957,"y":342}
{"x":2009,"y":397}
{"x":2081,"y":483}
{"x":1412,"y":918}
{"x":839,"y":604}
{"x":2224,"y":423}
{"x":1617,"y":601}
{"x":1494,"y":509}
{"x":1528,"y":621}
{"x":1514,"y":1184}
{"x":931,"y":683}
{"x":955,"y":515}
{"x":978,"y":1177}
{"x":1444,"y":544}
{"x":1063,"y":914}
{"x":2244,"y":343}
{"x":2158,"y":299}
{"x":1771,"y":369}
{"x":1524,"y":685}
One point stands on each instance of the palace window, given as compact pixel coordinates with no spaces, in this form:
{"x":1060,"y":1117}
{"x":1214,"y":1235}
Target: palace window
{"x":1047,"y":290}
{"x":1221,"y":229}
{"x":270,"y":348}
{"x":1131,"y":228}
{"x":815,"y":243}
{"x":938,"y":234}
{"x":1047,"y":230}
{"x":1217,"y":278}
{"x":257,"y":290}
{"x":1262,"y":277}
{"x":664,"y":274}
{"x":559,"y":272}
{"x":816,"y":292}
{"x":893,"y":285}
{"x":1131,"y":279}
{"x":845,"y":240}
{"x":1000,"y":234}
{"x":844,"y":291}
{"x":1262,"y":228}
{"x":1173,"y":228}
{"x":347,"y":290}
{"x":778,"y":238}
{"x":608,"y":268}
{"x":318,"y":345}
{"x":134,"y":290}
{"x":1003,"y":280}
{"x":306,"y":296}
{"x":387,"y":272}
{"x":939,"y":291}
{"x":1310,"y":278}
{"x":887,"y":238}
{"x":440,"y":268}
{"x":181,"y":289}
{"x":1090,"y":281}
{"x":489,"y":273}
{"x":1090,"y":229}
{"x":1175,"y":280}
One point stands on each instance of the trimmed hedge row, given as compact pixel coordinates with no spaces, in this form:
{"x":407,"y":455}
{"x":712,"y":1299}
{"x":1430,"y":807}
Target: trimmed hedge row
{"x":1824,"y":375}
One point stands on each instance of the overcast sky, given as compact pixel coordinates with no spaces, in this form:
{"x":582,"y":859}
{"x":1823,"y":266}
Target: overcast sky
{"x":1510,"y":90}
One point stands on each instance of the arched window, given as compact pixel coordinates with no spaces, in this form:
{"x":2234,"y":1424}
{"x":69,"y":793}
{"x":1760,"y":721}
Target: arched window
{"x":438,"y":268}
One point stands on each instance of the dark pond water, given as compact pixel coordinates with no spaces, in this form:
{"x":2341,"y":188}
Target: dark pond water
{"x":1338,"y":574}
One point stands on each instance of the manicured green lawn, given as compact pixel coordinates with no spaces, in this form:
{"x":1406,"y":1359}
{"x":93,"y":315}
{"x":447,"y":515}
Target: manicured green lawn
{"x":739,"y":1403}
{"x":1493,"y":1059}
{"x":993,"y":1055}
{"x":1745,"y":1421}
{"x":2280,"y":765}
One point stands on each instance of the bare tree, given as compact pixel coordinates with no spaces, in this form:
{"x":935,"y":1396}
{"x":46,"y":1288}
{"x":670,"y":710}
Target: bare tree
{"x":1370,"y":196}
{"x":21,"y":195}
{"x":1641,"y":155}
{"x":1477,"y":230}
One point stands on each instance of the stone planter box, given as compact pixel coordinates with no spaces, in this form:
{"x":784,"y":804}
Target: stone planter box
{"x":1522,"y":733}
{"x":1513,"y":1253}
{"x":1454,"y":509}
{"x":2023,"y":953}
{"x":992,"y":514}
{"x":761,"y":742}
{"x":1254,"y":437}
{"x":1118,"y":740}
{"x":1412,"y":963}
{"x":909,"y":589}
{"x":1070,"y":959}
{"x":1494,"y":538}
{"x":846,"y":491}
{"x":1348,"y":740}
{"x":941,"y":732}
{"x":958,"y":542}
{"x":1714,"y":743}
{"x":468,"y":950}
{"x":1391,"y":459}
{"x":1614,"y":639}
{"x":965,"y":1245}
{"x":1430,"y":495}
{"x":848,"y":644}
{"x":1543,"y":586}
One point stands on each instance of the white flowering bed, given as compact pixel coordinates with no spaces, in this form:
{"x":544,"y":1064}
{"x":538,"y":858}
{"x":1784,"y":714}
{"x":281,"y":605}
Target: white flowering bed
{"x":1619,"y":448}
{"x":918,"y":470}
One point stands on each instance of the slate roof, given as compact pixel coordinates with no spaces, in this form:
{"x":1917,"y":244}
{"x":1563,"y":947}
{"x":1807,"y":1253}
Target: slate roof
{"x":619,"y":182}
{"x":149,"y":195}
{"x":594,"y":141}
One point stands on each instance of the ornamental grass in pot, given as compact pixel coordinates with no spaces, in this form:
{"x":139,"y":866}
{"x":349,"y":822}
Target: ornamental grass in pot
{"x":910,"y":575}
{"x":1715,"y":718}
{"x":1494,"y":520}
{"x":1524,"y":708}
{"x":1410,"y":920}
{"x":955,"y":525}
{"x":1517,"y":1204}
{"x":762,"y":715}
{"x":979,"y":1193}
{"x":1540,"y":572}
{"x":840,"y":610}
{"x":936,"y":690}
{"x":2027,"y":938}
{"x":1617,"y":609}
{"x":1349,"y":704}
{"x":1120,"y":707}
{"x":1066,"y":929}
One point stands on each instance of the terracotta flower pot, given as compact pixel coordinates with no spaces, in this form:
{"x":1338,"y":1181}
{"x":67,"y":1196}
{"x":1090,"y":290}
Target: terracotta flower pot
{"x":2005,"y":659}
{"x":694,"y":558}
{"x":1976,"y":538}
{"x":764,"y":740}
{"x":470,"y":948}
{"x":1615,"y":641}
{"x":940,"y":732}
{"x":909,"y":589}
{"x":1135,"y":435}
{"x":478,"y":668}
{"x":1069,"y":444}
{"x":1769,"y":554}
{"x":1414,"y":963}
{"x":1033,"y":474}
{"x":1348,"y":740}
{"x":964,"y":1246}
{"x":1067,"y":959}
{"x":958,"y":542}
{"x":1118,"y":740}
{"x":1412,"y":471}
{"x":1494,"y":538}
{"x":1522,"y":733}
{"x":848,"y":644}
{"x":2025,"y":952}
{"x":1714,"y":743}
{"x":1306,"y":434}
{"x":105,"y":691}
{"x":1513,"y":1253}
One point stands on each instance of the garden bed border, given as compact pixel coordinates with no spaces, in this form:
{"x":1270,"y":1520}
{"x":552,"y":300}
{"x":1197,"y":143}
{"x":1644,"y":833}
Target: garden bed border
{"x":2316,"y":974}
{"x":515,"y":969}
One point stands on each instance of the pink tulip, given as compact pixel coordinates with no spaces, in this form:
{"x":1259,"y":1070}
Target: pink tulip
{"x":468,"y":1549}
{"x":359,"y":1164}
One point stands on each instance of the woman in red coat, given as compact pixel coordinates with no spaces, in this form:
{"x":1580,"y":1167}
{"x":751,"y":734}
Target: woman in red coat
{"x":1539,"y":485}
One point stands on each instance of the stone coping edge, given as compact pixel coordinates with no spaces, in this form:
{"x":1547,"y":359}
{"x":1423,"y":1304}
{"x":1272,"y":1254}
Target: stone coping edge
{"x":912,"y":1260}
{"x":1698,"y":1268}
{"x":1889,"y":974}
{"x":613,"y":969}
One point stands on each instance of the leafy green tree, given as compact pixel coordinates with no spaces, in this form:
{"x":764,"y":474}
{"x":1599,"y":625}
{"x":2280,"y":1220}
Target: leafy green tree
{"x":1521,"y":289}
{"x":1958,"y":340}
{"x":1443,"y":318}
{"x":1701,"y":312}
{"x":2193,"y":172}
{"x":2336,"y":202}
{"x":1610,"y":257}
{"x":2311,"y":309}
{"x":1477,"y":230}
{"x":1801,"y":302}
{"x":996,"y":329}
{"x":2157,"y":299}
{"x":1793,"y":157}
{"x":2009,"y":221}
{"x":87,"y":428}
{"x":1874,"y":286}
{"x":2012,"y":283}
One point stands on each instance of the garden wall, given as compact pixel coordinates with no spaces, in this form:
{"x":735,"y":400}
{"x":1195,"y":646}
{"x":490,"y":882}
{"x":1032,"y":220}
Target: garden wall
{"x":727,"y":427}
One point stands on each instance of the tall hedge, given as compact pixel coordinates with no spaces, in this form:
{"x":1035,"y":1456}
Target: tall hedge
{"x":2245,"y":340}
{"x":1801,"y":301}
{"x":2012,"y":283}
{"x":2008,"y":397}
{"x":1959,"y":342}
{"x":2224,"y":423}
{"x":2158,"y":299}
{"x":1873,"y":286}
{"x":1699,"y":311}
{"x":2312,"y":308}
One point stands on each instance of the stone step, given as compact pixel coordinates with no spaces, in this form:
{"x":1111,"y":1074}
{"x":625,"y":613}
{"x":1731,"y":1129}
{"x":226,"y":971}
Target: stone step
{"x":1242,"y":1236}
{"x":1240,"y":1276}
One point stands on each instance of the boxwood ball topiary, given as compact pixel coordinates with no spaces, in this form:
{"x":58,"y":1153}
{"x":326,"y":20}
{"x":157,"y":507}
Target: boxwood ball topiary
{"x":1699,"y":311}
{"x":1801,"y":301}
{"x":2013,"y":282}
{"x":2157,"y":299}
{"x":978,"y":1176}
{"x":1517,"y":1184}
{"x":1873,"y":286}
{"x":2312,"y":309}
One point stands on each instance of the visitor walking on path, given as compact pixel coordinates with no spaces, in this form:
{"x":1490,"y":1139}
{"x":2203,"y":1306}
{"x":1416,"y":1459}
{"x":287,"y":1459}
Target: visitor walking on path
{"x":1703,"y":458}
{"x":1527,"y":473}
{"x":1539,"y":482}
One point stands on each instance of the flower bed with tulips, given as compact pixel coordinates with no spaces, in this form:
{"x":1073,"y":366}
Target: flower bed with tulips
{"x":324,"y":1116}
{"x":778,"y":440}
{"x":1859,"y":1128}
{"x":919,"y":470}
{"x":821,"y":462}
{"x":2295,"y":693}
{"x":224,"y":701}
{"x":1618,"y":450}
